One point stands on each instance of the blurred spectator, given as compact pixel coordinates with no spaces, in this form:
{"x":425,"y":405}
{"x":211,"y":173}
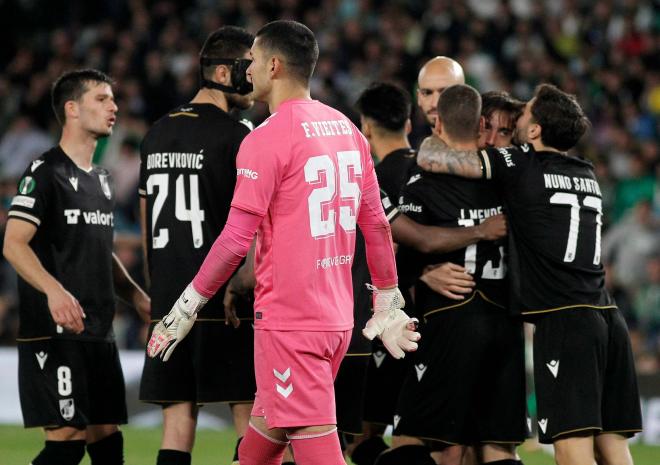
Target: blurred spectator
{"x":21,"y":144}
{"x":647,"y":304}
{"x":628,"y":244}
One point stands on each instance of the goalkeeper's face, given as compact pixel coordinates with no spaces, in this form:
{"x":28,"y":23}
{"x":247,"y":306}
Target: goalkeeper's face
{"x":260,"y":72}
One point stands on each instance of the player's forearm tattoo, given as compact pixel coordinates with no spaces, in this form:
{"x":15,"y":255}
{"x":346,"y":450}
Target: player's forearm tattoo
{"x":436,"y":156}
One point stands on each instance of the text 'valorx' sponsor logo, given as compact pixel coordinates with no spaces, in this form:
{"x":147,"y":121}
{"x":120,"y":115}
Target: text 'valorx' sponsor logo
{"x":94,"y":217}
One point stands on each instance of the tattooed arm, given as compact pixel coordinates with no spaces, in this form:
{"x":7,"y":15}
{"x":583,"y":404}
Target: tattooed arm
{"x":436,"y":156}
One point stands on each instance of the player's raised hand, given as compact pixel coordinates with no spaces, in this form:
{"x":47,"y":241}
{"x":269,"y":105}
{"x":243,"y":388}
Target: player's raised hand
{"x":450,"y":280}
{"x":493,"y":228}
{"x":175,"y":325}
{"x":390,"y":323}
{"x":65,"y":309}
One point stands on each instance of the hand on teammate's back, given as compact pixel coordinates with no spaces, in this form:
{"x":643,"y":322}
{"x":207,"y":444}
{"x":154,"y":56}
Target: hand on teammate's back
{"x":391,"y":324}
{"x":176,"y":324}
{"x":493,"y":228}
{"x":450,"y":280}
{"x":66,"y":310}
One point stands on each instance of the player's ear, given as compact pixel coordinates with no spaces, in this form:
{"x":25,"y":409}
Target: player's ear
{"x":534,"y":131}
{"x":275,"y":66}
{"x":408,"y":126}
{"x":438,"y":126}
{"x":482,"y":124}
{"x":222,"y":75}
{"x":71,"y":109}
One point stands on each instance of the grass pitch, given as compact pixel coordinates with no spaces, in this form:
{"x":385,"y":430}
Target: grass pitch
{"x":18,"y":446}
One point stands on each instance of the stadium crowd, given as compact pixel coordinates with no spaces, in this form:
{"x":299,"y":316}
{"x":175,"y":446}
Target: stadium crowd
{"x":607,"y":52}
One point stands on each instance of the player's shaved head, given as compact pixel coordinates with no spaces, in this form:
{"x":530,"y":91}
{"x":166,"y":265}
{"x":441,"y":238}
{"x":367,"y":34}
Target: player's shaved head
{"x":435,"y":76}
{"x":459,"y":110}
{"x":441,"y":69}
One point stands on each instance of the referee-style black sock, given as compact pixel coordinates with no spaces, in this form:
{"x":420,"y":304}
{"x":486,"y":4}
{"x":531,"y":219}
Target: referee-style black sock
{"x":419,"y":455}
{"x":505,"y":462}
{"x":238,"y":443}
{"x":366,"y":452}
{"x":173,"y":457}
{"x":107,"y":451}
{"x":61,"y":453}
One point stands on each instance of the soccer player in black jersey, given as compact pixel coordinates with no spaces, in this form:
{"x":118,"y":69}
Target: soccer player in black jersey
{"x":187,"y":180}
{"x":59,"y":240}
{"x":474,"y":340}
{"x":588,"y":402}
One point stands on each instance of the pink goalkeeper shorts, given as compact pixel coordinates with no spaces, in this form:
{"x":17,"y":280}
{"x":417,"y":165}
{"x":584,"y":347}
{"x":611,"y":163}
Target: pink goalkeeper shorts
{"x":295,"y":373}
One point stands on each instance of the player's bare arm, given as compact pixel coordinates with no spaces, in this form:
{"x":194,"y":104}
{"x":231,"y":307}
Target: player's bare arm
{"x":437,"y":157}
{"x":138,"y":296}
{"x":435,"y":239}
{"x":64,"y":307}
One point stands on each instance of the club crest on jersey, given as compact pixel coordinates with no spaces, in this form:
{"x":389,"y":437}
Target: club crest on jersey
{"x":67,"y":409}
{"x":27,"y":185}
{"x":105,"y":186}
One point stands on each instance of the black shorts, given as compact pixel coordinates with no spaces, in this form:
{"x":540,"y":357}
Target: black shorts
{"x":584,"y":375}
{"x":214,"y":363}
{"x":468,"y":383}
{"x":385,"y":377}
{"x":70,"y":383}
{"x":350,"y":388}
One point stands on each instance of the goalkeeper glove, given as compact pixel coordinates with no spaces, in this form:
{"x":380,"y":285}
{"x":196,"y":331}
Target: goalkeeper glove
{"x":176,"y":324}
{"x":390,"y":323}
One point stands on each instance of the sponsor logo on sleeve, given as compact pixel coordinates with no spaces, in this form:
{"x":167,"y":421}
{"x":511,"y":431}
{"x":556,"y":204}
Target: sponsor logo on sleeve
{"x":247,"y":173}
{"x":23,"y":201}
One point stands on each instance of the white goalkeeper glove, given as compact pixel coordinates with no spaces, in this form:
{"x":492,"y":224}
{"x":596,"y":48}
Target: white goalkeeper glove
{"x":390,"y":323}
{"x":176,"y":324}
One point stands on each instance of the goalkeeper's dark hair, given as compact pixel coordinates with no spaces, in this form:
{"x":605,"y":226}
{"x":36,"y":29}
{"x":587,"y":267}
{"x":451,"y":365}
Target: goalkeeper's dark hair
{"x":72,"y":85}
{"x":388,"y":105}
{"x":226,"y":42}
{"x":296,"y":44}
{"x":459,"y":109}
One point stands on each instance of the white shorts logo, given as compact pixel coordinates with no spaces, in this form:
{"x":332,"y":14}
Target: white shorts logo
{"x":284,"y":391}
{"x":67,"y":409}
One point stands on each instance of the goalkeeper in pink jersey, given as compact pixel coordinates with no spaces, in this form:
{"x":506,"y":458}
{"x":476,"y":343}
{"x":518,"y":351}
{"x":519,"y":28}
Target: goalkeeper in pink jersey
{"x":305,"y":181}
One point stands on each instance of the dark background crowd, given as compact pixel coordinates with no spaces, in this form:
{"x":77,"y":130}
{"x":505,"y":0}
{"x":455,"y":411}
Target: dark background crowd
{"x":607,"y":52}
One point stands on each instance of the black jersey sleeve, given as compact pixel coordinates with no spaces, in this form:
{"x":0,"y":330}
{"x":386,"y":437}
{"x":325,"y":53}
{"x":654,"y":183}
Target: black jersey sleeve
{"x":504,"y":165}
{"x":33,"y":194}
{"x":391,"y":211}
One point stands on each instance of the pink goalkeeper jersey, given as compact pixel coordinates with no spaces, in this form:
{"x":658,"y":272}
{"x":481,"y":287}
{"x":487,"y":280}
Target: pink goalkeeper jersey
{"x":304,"y":169}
